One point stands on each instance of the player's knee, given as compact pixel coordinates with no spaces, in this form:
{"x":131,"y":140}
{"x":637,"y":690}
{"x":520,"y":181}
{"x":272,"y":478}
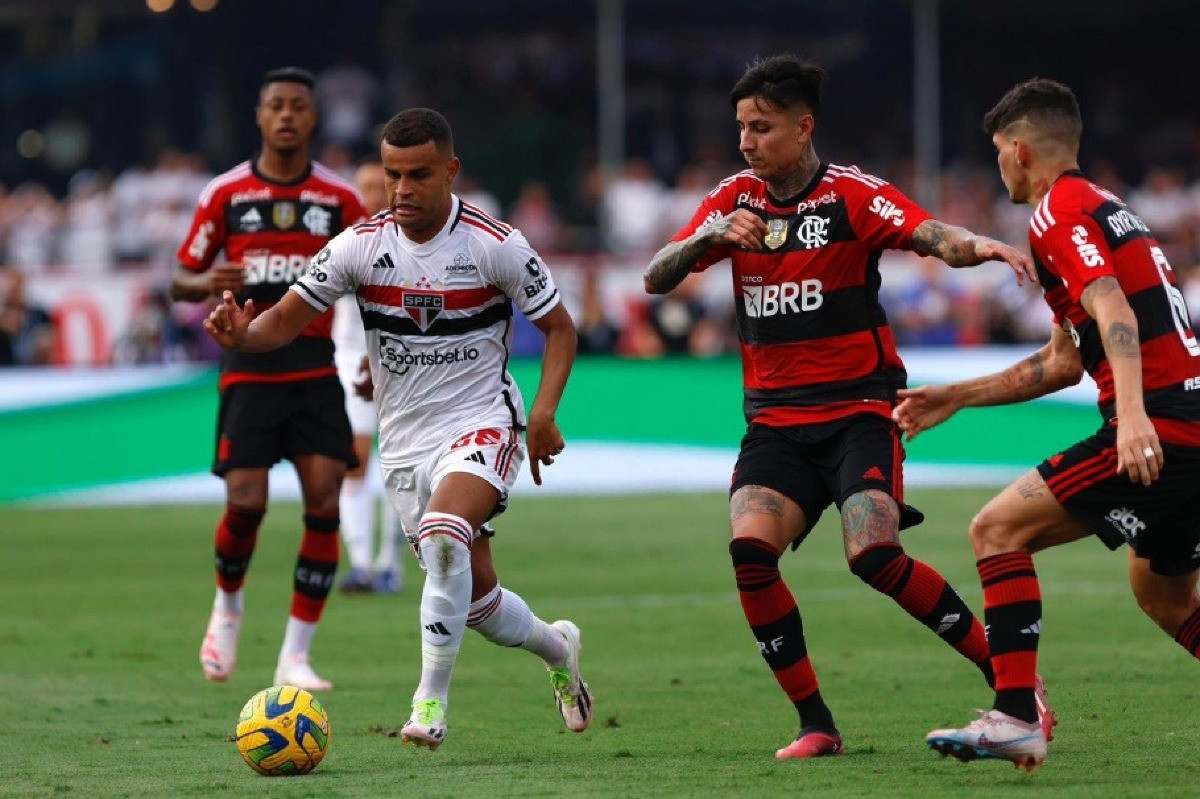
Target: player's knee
{"x":870,"y":562}
{"x":990,"y":533}
{"x":1167,"y":611}
{"x":444,"y":544}
{"x":752,"y":552}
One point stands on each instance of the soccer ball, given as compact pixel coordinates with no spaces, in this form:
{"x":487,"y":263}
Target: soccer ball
{"x":283,"y":730}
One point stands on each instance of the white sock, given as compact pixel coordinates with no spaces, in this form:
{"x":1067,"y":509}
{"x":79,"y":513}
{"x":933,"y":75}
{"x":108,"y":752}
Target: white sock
{"x":297,"y":639}
{"x":391,"y":540}
{"x":504,"y":618}
{"x":232,"y":603}
{"x":358,"y":521}
{"x":446,"y":556}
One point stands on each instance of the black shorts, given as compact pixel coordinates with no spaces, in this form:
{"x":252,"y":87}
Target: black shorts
{"x":259,"y":424}
{"x":816,"y":465}
{"x":1158,"y":520}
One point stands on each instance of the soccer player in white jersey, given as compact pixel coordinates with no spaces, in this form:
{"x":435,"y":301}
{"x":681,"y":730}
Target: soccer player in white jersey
{"x":437,"y":280}
{"x":383,"y":573}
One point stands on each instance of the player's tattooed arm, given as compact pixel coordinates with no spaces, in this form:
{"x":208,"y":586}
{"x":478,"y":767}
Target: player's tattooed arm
{"x":1053,"y":367}
{"x":958,"y":247}
{"x":1120,"y":337}
{"x":954,"y":245}
{"x":869,"y":517}
{"x":742,"y":229}
{"x":674,"y":262}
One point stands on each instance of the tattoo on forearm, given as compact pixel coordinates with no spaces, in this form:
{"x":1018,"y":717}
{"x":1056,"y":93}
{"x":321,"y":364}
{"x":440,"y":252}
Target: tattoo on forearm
{"x":1123,"y":341}
{"x":754,"y":499}
{"x":954,"y":245}
{"x":674,"y":261}
{"x":869,"y":517}
{"x":1024,"y":375}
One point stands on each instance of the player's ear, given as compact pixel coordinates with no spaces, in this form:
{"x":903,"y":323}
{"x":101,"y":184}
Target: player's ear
{"x":1022,"y":153}
{"x":805,"y":124}
{"x":452,"y":169}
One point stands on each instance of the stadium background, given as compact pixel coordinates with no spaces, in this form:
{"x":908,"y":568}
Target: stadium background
{"x":614,"y":120}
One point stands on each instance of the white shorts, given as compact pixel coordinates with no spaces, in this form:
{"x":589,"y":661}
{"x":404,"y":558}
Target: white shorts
{"x":493,"y":454}
{"x":364,"y":420}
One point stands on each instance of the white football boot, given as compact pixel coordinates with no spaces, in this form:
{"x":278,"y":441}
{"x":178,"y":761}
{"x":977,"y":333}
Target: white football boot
{"x":427,"y":725}
{"x":571,"y":693}
{"x":218,"y":652}
{"x":296,"y":670}
{"x":995,"y":735}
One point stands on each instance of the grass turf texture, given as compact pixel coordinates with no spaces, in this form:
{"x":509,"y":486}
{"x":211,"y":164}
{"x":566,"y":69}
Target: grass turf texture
{"x":102,"y":693}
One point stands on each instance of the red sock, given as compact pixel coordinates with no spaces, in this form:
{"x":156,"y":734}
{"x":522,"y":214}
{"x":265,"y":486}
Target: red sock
{"x":315,"y":567}
{"x":236,"y":536}
{"x":1012,"y":606}
{"x":925,"y":595}
{"x":1189,"y":634}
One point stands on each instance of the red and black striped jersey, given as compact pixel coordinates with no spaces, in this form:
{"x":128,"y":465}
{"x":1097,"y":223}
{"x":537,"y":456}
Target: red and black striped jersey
{"x":1081,"y":232}
{"x":815,"y":342}
{"x":272,"y":229}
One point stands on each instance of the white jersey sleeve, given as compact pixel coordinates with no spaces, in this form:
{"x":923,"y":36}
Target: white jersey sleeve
{"x":523,"y":276}
{"x":335,"y":271}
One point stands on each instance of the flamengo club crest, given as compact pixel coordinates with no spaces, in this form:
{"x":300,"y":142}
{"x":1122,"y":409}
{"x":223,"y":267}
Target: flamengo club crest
{"x":283,"y":215}
{"x":777,"y":230}
{"x":423,"y":306}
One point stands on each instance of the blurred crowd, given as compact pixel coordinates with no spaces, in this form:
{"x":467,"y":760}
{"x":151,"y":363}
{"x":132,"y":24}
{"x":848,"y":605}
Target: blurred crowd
{"x":598,"y":241}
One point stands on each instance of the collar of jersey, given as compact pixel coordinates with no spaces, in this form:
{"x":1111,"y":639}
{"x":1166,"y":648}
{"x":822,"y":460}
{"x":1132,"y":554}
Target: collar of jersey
{"x":439,"y":237}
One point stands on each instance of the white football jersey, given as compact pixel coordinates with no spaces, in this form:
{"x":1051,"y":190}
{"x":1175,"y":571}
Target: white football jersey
{"x":438,"y":319}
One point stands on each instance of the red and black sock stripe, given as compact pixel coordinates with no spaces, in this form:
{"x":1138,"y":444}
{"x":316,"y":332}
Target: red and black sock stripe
{"x":236,"y":537}
{"x":775,"y":621}
{"x":1012,"y":602}
{"x":1189,"y":634}
{"x":315,"y":566}
{"x":926,"y":596}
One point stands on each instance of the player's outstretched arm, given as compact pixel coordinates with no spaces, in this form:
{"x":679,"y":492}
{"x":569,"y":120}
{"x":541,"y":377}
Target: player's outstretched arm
{"x":245,"y":330}
{"x":1139,"y":451}
{"x":672,"y":263}
{"x":958,"y":246}
{"x":543,"y":439}
{"x":199,"y":286}
{"x":1053,"y":367}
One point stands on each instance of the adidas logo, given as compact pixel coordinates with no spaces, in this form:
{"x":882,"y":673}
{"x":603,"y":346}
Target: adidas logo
{"x":874,"y":473}
{"x":437,"y":628}
{"x":476,"y":456}
{"x":1033,"y":629}
{"x":948,"y":621}
{"x":384,"y":262}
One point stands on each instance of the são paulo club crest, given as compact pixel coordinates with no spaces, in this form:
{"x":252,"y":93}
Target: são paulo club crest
{"x":422,"y":306}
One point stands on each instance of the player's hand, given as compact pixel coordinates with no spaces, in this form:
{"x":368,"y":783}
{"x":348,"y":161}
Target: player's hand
{"x":991,"y":250}
{"x":226,"y":277}
{"x":742,"y":228}
{"x":1139,"y":452}
{"x":923,"y":408}
{"x":543,"y":440}
{"x":227,"y":323}
{"x":364,"y":385}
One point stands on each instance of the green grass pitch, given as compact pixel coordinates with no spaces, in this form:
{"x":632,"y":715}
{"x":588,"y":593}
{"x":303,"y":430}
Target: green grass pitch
{"x":101,"y":692}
